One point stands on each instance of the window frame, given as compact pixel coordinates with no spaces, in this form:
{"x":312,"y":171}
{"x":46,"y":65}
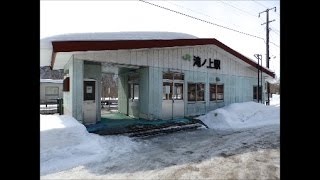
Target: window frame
{"x":216,"y":92}
{"x":132,"y":91}
{"x":195,"y":92}
{"x":47,"y":88}
{"x":255,"y":93}
{"x":196,"y":84}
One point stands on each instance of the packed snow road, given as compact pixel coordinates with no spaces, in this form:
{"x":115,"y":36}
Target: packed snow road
{"x":200,"y":154}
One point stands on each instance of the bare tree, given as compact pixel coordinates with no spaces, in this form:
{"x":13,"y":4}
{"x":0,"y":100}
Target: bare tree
{"x":47,"y":73}
{"x":109,"y":81}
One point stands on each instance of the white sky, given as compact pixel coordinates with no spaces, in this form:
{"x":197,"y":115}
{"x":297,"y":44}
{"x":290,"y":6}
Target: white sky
{"x":60,"y":17}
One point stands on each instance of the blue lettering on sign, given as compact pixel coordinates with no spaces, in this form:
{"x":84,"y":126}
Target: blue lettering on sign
{"x":186,"y":57}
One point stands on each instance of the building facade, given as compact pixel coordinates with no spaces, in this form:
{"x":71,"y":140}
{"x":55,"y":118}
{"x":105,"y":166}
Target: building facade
{"x":50,"y":90}
{"x":158,"y":78}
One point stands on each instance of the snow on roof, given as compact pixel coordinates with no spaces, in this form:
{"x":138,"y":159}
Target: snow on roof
{"x":51,"y":80}
{"x":142,"y":35}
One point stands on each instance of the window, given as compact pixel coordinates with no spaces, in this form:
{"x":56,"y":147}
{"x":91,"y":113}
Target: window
{"x":171,"y":75}
{"x":216,"y":92}
{"x":178,"y":91}
{"x":196,"y":91}
{"x":52,"y":91}
{"x":167,"y":91}
{"x":255,"y":92}
{"x":178,"y":76}
{"x":167,"y":75}
{"x":134,"y":91}
{"x":172,"y":86}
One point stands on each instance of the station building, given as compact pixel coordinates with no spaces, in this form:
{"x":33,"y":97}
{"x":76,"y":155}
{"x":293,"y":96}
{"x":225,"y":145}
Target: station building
{"x":162,"y":75}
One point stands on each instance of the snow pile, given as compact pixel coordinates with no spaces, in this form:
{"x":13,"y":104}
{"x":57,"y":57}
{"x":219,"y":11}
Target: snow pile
{"x":65,"y":143}
{"x":275,"y":100}
{"x":241,"y":115}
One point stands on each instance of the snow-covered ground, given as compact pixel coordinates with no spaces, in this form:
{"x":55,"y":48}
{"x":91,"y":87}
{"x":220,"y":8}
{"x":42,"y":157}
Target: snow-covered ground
{"x":65,"y":143}
{"x":249,"y":151}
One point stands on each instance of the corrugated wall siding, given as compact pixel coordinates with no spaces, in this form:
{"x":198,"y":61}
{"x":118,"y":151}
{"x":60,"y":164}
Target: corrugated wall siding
{"x":172,"y":58}
{"x":76,"y":88}
{"x":144,"y":93}
{"x":155,"y":92}
{"x":236,"y":89}
{"x":236,"y":75}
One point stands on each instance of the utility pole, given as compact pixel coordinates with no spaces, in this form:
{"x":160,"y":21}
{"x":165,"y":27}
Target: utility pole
{"x":259,"y":57}
{"x":267,"y":46}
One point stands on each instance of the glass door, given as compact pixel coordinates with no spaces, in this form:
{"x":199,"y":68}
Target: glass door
{"x":172,"y":96}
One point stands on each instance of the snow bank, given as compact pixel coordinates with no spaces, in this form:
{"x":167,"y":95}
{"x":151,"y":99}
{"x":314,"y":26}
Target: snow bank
{"x":60,"y":131}
{"x":65,"y":143}
{"x":275,"y":100}
{"x":241,"y":115}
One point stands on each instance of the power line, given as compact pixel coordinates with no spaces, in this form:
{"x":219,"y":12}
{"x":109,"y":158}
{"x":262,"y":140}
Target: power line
{"x":263,"y":6}
{"x":201,"y":20}
{"x":275,"y":30}
{"x":204,"y":20}
{"x":234,"y":25}
{"x":251,"y":15}
{"x":260,"y":4}
{"x":198,"y":12}
{"x":274,"y":44}
{"x":237,"y":8}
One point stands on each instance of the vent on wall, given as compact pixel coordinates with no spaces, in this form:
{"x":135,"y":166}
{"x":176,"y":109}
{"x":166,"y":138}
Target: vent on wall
{"x":66,"y":84}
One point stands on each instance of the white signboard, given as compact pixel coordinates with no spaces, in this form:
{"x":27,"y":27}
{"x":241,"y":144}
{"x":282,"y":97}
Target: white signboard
{"x":178,"y":90}
{"x":167,"y":89}
{"x":89,"y":89}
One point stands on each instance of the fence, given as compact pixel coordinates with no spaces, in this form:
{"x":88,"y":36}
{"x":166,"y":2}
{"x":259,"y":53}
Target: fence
{"x":52,"y":107}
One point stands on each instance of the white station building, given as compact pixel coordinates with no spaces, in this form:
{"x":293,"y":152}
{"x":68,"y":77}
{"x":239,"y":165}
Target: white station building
{"x":162,"y":75}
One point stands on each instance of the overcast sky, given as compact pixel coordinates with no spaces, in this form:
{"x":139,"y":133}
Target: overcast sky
{"x":61,"y":17}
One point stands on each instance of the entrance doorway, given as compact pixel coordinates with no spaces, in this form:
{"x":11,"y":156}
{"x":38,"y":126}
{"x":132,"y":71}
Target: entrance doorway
{"x":109,"y":93}
{"x":172,"y":98}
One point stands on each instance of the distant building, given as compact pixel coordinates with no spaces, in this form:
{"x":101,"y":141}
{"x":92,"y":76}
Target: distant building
{"x":50,"y":90}
{"x":161,"y":75}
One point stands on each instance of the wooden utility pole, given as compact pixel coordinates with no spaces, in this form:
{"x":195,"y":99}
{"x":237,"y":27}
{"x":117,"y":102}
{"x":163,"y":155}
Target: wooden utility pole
{"x":267,"y":47}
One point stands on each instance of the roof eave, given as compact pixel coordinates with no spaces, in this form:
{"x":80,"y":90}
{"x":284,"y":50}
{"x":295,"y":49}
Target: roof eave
{"x":70,"y":46}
